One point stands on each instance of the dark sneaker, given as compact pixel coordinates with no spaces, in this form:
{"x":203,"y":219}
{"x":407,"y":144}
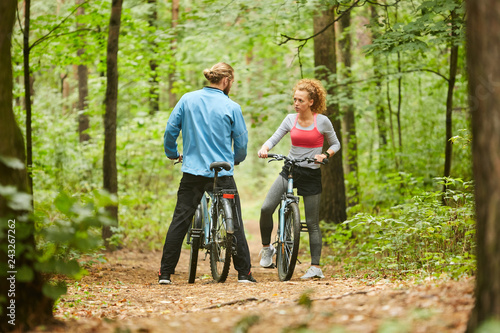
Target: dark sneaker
{"x":164,"y":278}
{"x":246,"y":278}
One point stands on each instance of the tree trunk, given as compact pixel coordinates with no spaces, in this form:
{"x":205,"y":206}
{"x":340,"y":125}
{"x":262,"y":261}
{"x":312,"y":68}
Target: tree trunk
{"x":154,"y":97}
{"x":379,"y":107}
{"x":27,"y":91}
{"x":65,"y":93}
{"x":172,"y":98}
{"x":333,"y":199}
{"x":83,"y":90}
{"x":449,"y":101}
{"x":345,"y":43}
{"x":400,"y":99}
{"x":23,"y":303}
{"x":391,"y":122}
{"x":483,"y":48}
{"x":110,"y":177}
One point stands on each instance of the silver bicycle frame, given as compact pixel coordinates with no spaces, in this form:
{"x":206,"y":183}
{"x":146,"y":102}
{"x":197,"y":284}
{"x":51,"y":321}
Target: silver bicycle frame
{"x":284,"y":204}
{"x":205,"y":215}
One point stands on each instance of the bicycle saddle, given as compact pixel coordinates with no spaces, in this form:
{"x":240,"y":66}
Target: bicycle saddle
{"x":220,"y":165}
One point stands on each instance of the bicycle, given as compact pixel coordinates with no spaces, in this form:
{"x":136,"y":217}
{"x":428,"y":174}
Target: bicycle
{"x":289,"y":225}
{"x":212,"y":228}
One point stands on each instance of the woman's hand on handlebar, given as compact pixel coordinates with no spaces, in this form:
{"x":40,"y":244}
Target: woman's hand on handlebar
{"x":263,"y":152}
{"x":320,"y":158}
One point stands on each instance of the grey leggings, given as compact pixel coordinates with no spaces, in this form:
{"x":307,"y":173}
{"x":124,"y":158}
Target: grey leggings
{"x":311,"y":206}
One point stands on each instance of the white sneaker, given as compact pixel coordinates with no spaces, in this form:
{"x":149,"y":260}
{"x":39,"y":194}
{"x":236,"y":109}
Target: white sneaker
{"x":267,"y":254}
{"x":313,"y":272}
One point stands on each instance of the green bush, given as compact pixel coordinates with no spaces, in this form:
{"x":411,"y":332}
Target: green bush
{"x":71,"y":230}
{"x":422,"y":237}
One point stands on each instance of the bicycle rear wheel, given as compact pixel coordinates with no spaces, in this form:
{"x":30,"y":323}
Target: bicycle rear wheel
{"x":196,"y":234}
{"x":220,"y":253}
{"x":288,"y":247}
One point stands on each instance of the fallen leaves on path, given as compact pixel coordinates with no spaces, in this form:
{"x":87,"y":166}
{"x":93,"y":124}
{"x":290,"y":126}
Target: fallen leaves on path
{"x":123,"y":295}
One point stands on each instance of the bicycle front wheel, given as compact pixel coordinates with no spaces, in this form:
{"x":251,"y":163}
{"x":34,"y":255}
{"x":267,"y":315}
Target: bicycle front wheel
{"x":288,"y":247}
{"x":220,"y":253}
{"x":195,"y":234}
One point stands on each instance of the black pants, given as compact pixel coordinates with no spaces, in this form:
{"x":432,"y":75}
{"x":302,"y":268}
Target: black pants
{"x":189,"y":195}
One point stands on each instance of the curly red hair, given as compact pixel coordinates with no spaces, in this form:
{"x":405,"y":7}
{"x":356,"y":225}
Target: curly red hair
{"x":316,"y":92}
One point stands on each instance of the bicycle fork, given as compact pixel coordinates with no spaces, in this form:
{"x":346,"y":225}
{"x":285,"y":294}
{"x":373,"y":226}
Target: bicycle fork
{"x":205,"y":218}
{"x":285,"y":201}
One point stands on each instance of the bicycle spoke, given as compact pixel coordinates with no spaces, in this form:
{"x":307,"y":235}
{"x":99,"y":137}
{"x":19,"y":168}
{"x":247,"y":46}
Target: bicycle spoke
{"x":221,"y":249}
{"x":289,"y":244}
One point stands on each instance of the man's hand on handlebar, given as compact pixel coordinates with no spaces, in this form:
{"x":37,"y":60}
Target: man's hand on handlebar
{"x":179,"y":159}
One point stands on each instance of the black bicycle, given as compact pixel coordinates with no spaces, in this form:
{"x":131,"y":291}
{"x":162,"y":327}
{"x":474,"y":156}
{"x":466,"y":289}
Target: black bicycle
{"x":289,"y":225}
{"x":212,"y":228}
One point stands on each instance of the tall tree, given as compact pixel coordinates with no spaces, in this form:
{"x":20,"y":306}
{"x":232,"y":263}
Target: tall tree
{"x":345,"y":44}
{"x":23,"y":306}
{"x":27,"y":89}
{"x":451,"y":88}
{"x":483,"y":52}
{"x":83,"y":90}
{"x":391,"y":113}
{"x":333,"y":199}
{"x":172,"y":97}
{"x":110,"y":177}
{"x":154,"y":97}
{"x":379,"y":107}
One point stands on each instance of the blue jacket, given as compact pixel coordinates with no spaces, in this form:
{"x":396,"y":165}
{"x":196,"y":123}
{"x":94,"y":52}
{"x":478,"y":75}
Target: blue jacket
{"x":211,"y":126}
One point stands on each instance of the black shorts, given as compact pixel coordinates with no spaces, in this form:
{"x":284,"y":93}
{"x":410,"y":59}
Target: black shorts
{"x":306,"y":180}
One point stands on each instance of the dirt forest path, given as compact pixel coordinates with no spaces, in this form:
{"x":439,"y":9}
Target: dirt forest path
{"x":122,"y":295}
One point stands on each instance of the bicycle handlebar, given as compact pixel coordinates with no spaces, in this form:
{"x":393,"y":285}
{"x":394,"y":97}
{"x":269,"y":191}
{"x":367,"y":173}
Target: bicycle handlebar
{"x":279,"y":157}
{"x":179,"y":159}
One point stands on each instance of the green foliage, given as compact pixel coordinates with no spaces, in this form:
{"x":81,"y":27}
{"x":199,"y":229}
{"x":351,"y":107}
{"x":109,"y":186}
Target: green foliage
{"x":60,"y":237}
{"x":428,"y":25}
{"x":305,"y":299}
{"x":245,"y":323}
{"x":16,"y":200}
{"x":422,"y":237}
{"x":489,"y":326}
{"x":73,"y":227}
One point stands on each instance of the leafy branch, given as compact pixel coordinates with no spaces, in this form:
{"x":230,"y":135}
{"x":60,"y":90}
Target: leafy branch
{"x":305,"y":40}
{"x":48,"y":35}
{"x":377,"y":77}
{"x":288,"y":38}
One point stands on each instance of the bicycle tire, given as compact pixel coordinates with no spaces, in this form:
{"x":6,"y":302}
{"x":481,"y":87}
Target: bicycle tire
{"x":288,"y":248}
{"x":221,"y":248}
{"x":195,"y":244}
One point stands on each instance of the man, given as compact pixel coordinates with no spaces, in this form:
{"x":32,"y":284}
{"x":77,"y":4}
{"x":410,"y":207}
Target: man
{"x":211,"y":125}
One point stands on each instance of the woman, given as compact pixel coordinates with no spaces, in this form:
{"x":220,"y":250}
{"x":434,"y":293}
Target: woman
{"x":308,"y":128}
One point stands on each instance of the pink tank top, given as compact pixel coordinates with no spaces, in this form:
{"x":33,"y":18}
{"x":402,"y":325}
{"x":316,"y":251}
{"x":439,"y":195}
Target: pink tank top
{"x":306,"y":139}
